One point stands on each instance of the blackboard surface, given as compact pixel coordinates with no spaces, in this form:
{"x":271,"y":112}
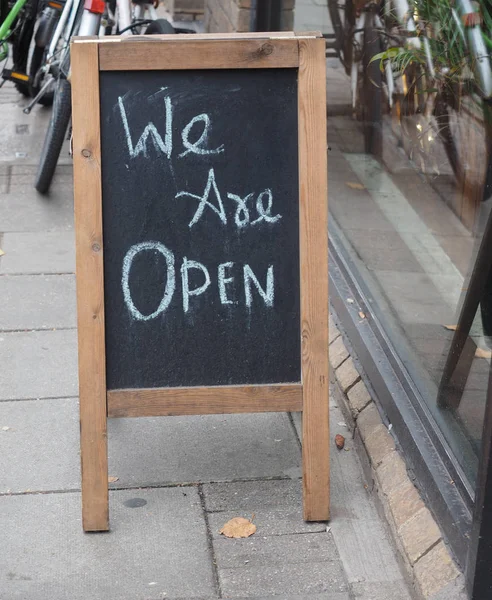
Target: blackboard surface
{"x":200,"y":227}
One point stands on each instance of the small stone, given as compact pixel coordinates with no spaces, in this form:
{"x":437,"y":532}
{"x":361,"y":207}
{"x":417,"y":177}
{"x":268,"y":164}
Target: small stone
{"x":339,"y":441}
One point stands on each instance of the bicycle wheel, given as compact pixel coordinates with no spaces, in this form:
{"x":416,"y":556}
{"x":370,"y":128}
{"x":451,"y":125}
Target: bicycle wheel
{"x":372,"y":90}
{"x":55,"y":136}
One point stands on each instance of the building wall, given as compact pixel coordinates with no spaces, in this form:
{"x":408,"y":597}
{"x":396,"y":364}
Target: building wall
{"x":235,"y":15}
{"x":185,"y":10}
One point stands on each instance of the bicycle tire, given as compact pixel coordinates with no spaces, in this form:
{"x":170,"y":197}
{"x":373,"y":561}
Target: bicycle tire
{"x":372,"y":91}
{"x":55,"y":136}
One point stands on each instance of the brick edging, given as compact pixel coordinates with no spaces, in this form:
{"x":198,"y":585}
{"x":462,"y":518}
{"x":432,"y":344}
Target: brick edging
{"x":429,"y":564}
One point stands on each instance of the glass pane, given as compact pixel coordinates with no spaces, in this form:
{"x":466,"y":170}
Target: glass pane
{"x":410,"y":187}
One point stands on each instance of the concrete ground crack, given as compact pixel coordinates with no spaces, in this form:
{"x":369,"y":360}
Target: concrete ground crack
{"x":210,"y":543}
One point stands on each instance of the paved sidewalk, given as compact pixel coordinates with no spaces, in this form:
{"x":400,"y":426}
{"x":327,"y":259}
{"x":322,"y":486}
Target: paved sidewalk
{"x":179,"y":479}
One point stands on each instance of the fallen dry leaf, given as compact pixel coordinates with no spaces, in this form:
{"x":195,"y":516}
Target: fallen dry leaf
{"x":480,"y":353}
{"x":362,"y":315}
{"x":339,"y":441}
{"x":112,"y":479}
{"x":355,"y":186}
{"x":238,"y":528}
{"x":450,"y":327}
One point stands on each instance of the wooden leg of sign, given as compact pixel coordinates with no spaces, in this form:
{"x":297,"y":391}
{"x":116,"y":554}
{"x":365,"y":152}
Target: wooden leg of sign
{"x":314,"y":278}
{"x":90,"y":287}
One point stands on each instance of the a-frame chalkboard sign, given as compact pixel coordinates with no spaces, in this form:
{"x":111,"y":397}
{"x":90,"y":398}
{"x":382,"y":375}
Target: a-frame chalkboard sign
{"x":201,"y":228}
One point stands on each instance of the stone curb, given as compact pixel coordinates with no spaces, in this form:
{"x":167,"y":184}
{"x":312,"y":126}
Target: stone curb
{"x":429,"y":564}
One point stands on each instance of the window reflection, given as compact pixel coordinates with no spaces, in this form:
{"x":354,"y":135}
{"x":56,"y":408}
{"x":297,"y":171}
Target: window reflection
{"x":410,"y":187}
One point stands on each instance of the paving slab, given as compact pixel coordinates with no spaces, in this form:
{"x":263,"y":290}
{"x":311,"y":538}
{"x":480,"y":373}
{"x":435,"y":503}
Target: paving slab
{"x":366,"y":551}
{"x":380,"y":591}
{"x":38,"y":364}
{"x":29,"y":211}
{"x":38,"y":302}
{"x":276,"y":504}
{"x":364,"y":545}
{"x":38,"y":252}
{"x":283,"y":579}
{"x":40,"y":450}
{"x":203,"y":448}
{"x":22,"y":177}
{"x":350,"y":498}
{"x":260,"y":550}
{"x":153,"y":551}
{"x":323,"y":596}
{"x":23,"y":135}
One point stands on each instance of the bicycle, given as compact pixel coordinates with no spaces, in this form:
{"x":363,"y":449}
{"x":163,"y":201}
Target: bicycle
{"x":83,"y":19}
{"x":22,"y":23}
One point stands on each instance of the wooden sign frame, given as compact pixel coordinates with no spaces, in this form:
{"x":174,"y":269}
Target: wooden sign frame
{"x":304,"y":52}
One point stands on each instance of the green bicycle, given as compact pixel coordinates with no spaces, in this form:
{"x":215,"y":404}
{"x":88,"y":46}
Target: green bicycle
{"x":23,"y":22}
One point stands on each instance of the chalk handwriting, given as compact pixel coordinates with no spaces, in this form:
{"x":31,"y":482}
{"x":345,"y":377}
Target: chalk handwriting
{"x":241,"y":217}
{"x":192,"y":264}
{"x":165,"y":146}
{"x":250,"y":277}
{"x":264,"y":213}
{"x":170,"y":281}
{"x":249,"y":209}
{"x":242,"y":213}
{"x":224,"y":279}
{"x":196,"y":147}
{"x":204,"y":201}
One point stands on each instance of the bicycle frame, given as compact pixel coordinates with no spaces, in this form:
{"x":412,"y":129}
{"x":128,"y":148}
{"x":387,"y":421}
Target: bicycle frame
{"x":125,"y":18}
{"x":7,"y":24}
{"x":63,"y":31}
